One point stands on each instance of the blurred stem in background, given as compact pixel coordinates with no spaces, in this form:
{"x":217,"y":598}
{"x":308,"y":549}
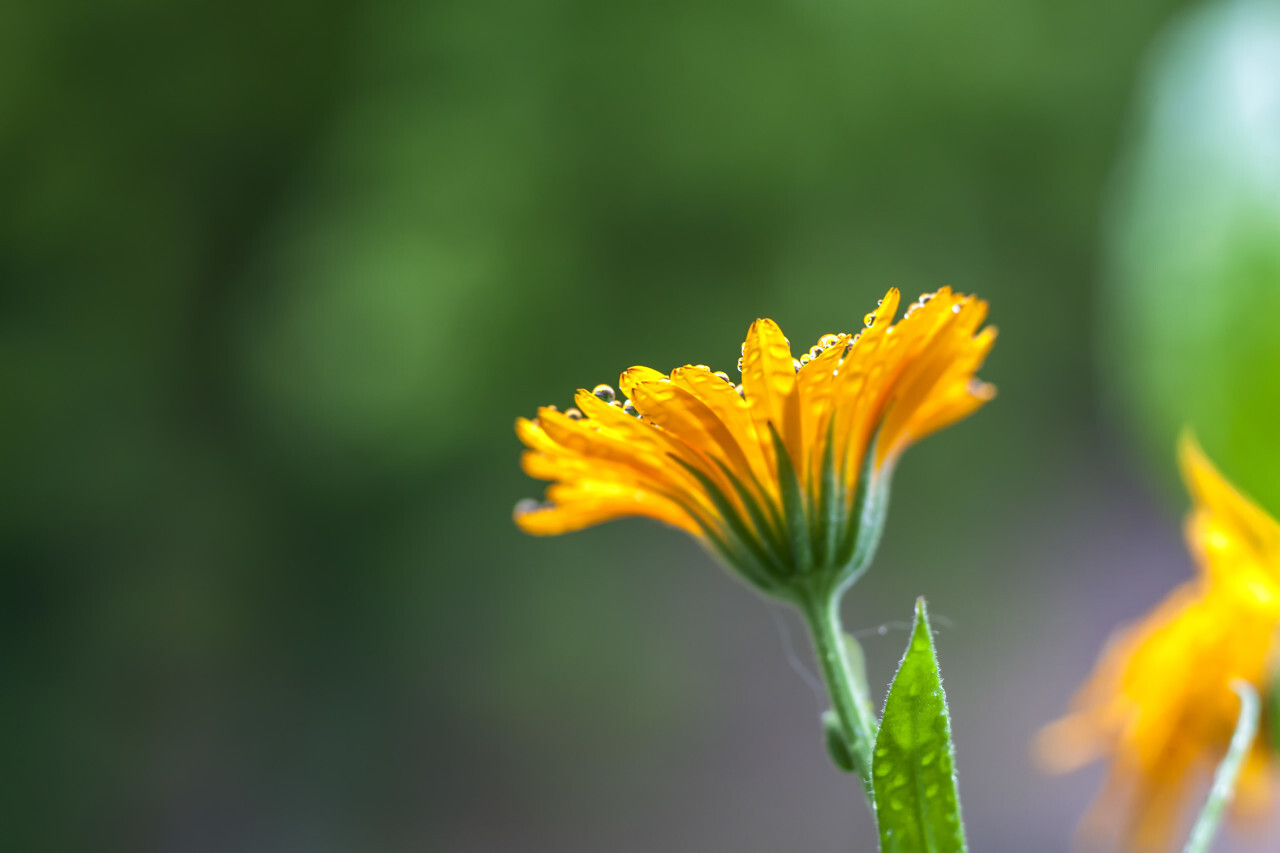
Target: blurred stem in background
{"x":1224,"y":780}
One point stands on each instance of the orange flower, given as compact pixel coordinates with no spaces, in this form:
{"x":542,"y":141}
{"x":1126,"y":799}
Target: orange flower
{"x":1160,"y":702}
{"x":784,"y":475}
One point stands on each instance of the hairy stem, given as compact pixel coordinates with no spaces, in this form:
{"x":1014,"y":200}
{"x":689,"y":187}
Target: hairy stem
{"x":846,"y":684}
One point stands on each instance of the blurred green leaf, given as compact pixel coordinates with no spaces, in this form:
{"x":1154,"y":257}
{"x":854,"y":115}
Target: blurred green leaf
{"x":917,"y":805}
{"x":1193,"y":246}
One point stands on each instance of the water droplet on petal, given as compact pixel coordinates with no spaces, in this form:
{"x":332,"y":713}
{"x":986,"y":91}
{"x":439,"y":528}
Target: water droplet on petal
{"x":630,"y":409}
{"x":723,"y":375}
{"x":526,"y":506}
{"x":869,"y":320}
{"x":573,"y":414}
{"x":604,"y":392}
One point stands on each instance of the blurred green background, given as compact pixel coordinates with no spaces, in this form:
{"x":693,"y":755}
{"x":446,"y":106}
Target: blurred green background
{"x":280,"y":277}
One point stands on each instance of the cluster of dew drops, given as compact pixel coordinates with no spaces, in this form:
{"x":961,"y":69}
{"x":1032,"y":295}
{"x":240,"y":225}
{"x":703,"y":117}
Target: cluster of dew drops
{"x":607,"y":393}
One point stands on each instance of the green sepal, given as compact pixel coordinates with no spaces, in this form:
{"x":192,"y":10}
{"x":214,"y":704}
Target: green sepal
{"x":768,"y":526}
{"x":837,"y":746}
{"x":752,"y":561}
{"x":870,"y":507}
{"x":742,"y":562}
{"x":792,"y":505}
{"x":913,"y":768}
{"x":829,"y":518}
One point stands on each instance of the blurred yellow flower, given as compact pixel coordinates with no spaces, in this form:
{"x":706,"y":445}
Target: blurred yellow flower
{"x":779,"y":474}
{"x":1160,"y":702}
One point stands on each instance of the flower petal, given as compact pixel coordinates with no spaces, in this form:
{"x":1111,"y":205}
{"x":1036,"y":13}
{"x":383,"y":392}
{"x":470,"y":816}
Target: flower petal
{"x":1224,"y":518}
{"x":769,"y":381}
{"x":589,"y":502}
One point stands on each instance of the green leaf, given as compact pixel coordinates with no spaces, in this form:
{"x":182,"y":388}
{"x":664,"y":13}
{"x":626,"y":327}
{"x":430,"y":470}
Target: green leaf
{"x":1224,"y":780}
{"x":913,"y":769}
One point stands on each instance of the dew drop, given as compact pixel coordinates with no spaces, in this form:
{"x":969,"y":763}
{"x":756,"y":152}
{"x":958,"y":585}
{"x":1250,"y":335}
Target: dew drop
{"x":741,"y":393}
{"x":604,"y":392}
{"x":526,"y":506}
{"x":573,"y":414}
{"x":955,"y":309}
{"x":630,"y":409}
{"x":797,"y":364}
{"x":739,"y":365}
{"x":869,"y":320}
{"x":723,"y":375}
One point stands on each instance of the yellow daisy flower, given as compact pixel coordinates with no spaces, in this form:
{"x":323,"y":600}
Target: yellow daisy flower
{"x":1160,"y":702}
{"x":785,"y":475}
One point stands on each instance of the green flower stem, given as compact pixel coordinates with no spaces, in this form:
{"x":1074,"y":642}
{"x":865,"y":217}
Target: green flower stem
{"x":846,"y":684}
{"x":1224,"y":780}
